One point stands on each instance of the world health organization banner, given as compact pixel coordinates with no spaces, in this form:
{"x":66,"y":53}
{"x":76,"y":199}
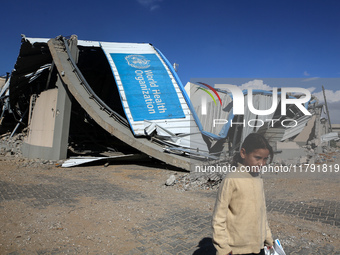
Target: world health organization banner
{"x":148,"y":88}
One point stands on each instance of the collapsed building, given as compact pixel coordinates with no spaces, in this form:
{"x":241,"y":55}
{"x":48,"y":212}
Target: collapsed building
{"x":118,"y":100}
{"x":296,"y":138}
{"x":102,"y":100}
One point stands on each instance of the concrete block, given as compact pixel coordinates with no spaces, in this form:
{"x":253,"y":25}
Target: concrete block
{"x":287,"y":145}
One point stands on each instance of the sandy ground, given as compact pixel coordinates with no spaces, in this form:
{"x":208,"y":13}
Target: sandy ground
{"x":46,"y":209}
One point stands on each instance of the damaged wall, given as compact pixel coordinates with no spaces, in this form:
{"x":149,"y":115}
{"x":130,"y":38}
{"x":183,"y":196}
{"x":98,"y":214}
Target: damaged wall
{"x":49,"y":125}
{"x":42,"y":119}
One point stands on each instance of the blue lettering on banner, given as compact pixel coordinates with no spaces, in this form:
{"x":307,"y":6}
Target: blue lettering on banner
{"x":149,"y":90}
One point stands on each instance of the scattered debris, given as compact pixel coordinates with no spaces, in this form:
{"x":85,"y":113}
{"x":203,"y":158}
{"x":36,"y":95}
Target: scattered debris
{"x":191,"y":181}
{"x":75,"y":161}
{"x":11,"y":146}
{"x":171,"y":180}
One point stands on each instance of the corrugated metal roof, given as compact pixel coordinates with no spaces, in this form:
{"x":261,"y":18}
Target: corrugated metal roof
{"x":293,"y":131}
{"x":185,"y":124}
{"x":80,"y":42}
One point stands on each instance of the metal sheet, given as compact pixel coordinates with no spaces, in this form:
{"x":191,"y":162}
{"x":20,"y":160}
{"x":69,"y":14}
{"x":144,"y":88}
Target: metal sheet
{"x":295,"y":130}
{"x":76,"y":161}
{"x":178,"y":125}
{"x":80,"y":42}
{"x":329,"y":137}
{"x":148,"y":90}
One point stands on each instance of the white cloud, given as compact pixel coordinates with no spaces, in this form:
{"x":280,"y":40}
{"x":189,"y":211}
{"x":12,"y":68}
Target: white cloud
{"x":255,"y":84}
{"x":305,"y":73}
{"x":333,"y":103}
{"x":331,"y":96}
{"x":258,"y":84}
{"x":311,"y":89}
{"x":311,"y":79}
{"x":152,"y":4}
{"x":334,"y":112}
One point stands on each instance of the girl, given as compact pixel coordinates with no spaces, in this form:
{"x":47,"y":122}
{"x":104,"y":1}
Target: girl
{"x":240,"y":220}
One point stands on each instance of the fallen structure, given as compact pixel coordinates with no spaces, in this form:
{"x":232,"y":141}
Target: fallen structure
{"x":295,"y":137}
{"x":124,"y":101}
{"x":123,"y":98}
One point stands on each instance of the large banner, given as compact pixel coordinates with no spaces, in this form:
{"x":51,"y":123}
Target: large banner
{"x":149,"y":90}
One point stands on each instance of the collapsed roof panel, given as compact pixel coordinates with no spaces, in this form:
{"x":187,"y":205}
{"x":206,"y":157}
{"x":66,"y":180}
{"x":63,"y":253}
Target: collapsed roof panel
{"x":148,"y":89}
{"x":98,"y":85}
{"x":160,"y":135}
{"x":296,"y":129}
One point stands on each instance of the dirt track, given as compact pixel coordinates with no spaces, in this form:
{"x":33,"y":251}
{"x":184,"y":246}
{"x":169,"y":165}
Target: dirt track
{"x":127,"y":209}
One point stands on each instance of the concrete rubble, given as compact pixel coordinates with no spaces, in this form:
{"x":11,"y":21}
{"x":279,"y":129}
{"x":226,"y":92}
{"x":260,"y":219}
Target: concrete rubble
{"x":10,"y":147}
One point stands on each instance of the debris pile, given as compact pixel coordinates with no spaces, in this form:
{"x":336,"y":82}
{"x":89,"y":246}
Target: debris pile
{"x":195,"y":181}
{"x":11,"y":150}
{"x":11,"y":145}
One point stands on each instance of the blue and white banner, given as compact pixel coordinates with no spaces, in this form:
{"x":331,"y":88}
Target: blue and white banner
{"x":148,"y":88}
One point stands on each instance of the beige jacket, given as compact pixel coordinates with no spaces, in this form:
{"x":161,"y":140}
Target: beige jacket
{"x":240,"y":220}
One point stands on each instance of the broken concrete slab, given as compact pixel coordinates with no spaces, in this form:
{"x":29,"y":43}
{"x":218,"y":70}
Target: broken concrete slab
{"x":287,"y":145}
{"x":306,"y":133}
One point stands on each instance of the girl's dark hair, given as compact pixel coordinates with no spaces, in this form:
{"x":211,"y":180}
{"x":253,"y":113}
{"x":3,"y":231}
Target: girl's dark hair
{"x":253,"y":142}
